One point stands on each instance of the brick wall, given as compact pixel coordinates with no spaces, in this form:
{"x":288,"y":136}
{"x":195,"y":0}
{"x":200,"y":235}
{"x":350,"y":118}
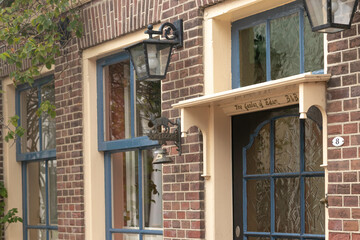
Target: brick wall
{"x":343,"y":120}
{"x":69,"y":137}
{"x":183,"y":189}
{"x":183,"y":186}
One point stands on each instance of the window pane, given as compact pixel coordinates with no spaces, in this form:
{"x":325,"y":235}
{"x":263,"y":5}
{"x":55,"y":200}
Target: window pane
{"x":287,"y":205}
{"x":125,"y":236}
{"x":48,"y":123}
{"x":52,"y":192}
{"x":152,"y":237}
{"x":314,"y":48}
{"x":313,"y":146}
{"x":152,"y":191}
{"x":54,"y":235}
{"x":148,"y":105}
{"x":284,"y":46}
{"x":252,"y":55}
{"x":36,"y":193}
{"x":125,"y":189}
{"x":258,"y":205}
{"x":287,"y":145}
{"x":117,"y":97}
{"x":314,"y":191}
{"x":29,"y":120}
{"x":258,"y":155}
{"x":36,"y":234}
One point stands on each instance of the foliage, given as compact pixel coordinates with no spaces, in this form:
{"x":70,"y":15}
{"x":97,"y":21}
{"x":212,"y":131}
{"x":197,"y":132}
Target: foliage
{"x":35,"y":32}
{"x":6,"y":217}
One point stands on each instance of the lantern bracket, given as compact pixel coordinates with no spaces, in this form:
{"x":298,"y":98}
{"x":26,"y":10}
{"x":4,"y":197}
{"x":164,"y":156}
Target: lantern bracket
{"x":173,"y":32}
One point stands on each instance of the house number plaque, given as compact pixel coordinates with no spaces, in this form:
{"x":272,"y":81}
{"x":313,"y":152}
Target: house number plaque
{"x":338,"y":141}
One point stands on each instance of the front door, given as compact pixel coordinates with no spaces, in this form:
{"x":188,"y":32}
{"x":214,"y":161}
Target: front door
{"x":277,"y":178}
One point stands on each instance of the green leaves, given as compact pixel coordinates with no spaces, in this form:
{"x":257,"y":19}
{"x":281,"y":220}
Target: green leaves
{"x":31,"y":30}
{"x":48,"y":108}
{"x":12,"y":134}
{"x":11,"y":215}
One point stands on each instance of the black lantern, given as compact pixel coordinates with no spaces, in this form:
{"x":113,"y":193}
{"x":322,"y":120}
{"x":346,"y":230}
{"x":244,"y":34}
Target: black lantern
{"x":330,"y":16}
{"x":151,"y":57}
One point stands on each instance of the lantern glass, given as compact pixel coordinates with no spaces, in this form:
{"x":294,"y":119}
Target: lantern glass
{"x":317,"y":11}
{"x":342,"y":11}
{"x":158,"y":58}
{"x":137,"y":53}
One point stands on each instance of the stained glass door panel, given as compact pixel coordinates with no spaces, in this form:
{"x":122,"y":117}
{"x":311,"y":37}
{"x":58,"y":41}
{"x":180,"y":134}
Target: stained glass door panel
{"x":278,"y":181}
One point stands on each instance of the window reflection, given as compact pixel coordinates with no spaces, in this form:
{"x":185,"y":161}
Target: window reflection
{"x":117,"y":101}
{"x":29,"y":103}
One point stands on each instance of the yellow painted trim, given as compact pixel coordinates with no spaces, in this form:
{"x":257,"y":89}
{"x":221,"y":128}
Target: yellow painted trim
{"x":12,"y":169}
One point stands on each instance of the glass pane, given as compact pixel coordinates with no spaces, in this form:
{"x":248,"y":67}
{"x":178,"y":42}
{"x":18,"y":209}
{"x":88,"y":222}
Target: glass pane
{"x":258,"y":155}
{"x":138,"y":58}
{"x":36,"y":234}
{"x":29,"y":102}
{"x":314,"y":210}
{"x":48,"y":123}
{"x":152,"y":195}
{"x":287,"y":205}
{"x":152,"y":237}
{"x":314,"y":48}
{"x":317,"y":11}
{"x":313,"y":146}
{"x":158,"y":58}
{"x":287,"y":144}
{"x":284,"y":46}
{"x":252,"y":55}
{"x":258,"y":205}
{"x":125,"y":236}
{"x":36,"y":193}
{"x":52,"y":192}
{"x":117,"y":101}
{"x":148,"y":105}
{"x":342,"y":10}
{"x":54,"y":235}
{"x":125,"y":189}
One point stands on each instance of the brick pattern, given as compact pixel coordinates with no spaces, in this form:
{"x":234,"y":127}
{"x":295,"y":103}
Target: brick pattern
{"x":183,"y":188}
{"x":69,"y":137}
{"x":343,"y":120}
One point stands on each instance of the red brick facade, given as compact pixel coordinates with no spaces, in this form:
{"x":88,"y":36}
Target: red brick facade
{"x":183,"y":186}
{"x":343,"y":120}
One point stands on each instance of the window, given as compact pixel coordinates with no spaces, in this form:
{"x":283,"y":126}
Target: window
{"x":36,"y":151}
{"x":133,"y":186}
{"x":275,"y":44}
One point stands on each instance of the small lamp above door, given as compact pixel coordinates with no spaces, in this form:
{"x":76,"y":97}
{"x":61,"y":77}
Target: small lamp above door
{"x":330,"y":16}
{"x":151,"y":57}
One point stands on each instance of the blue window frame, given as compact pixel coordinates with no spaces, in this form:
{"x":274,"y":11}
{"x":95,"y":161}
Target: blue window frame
{"x":282,"y":181}
{"x":274,"y":44}
{"x":37,"y":154}
{"x":132,"y":184}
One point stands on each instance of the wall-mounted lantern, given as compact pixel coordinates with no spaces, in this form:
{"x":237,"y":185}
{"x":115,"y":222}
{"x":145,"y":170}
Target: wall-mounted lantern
{"x":330,"y":16}
{"x":151,"y":57}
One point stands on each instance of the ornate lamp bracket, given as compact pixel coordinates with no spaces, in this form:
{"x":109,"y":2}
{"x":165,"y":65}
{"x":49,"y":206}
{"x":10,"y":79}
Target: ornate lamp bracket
{"x":161,"y":131}
{"x":173,"y":32}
